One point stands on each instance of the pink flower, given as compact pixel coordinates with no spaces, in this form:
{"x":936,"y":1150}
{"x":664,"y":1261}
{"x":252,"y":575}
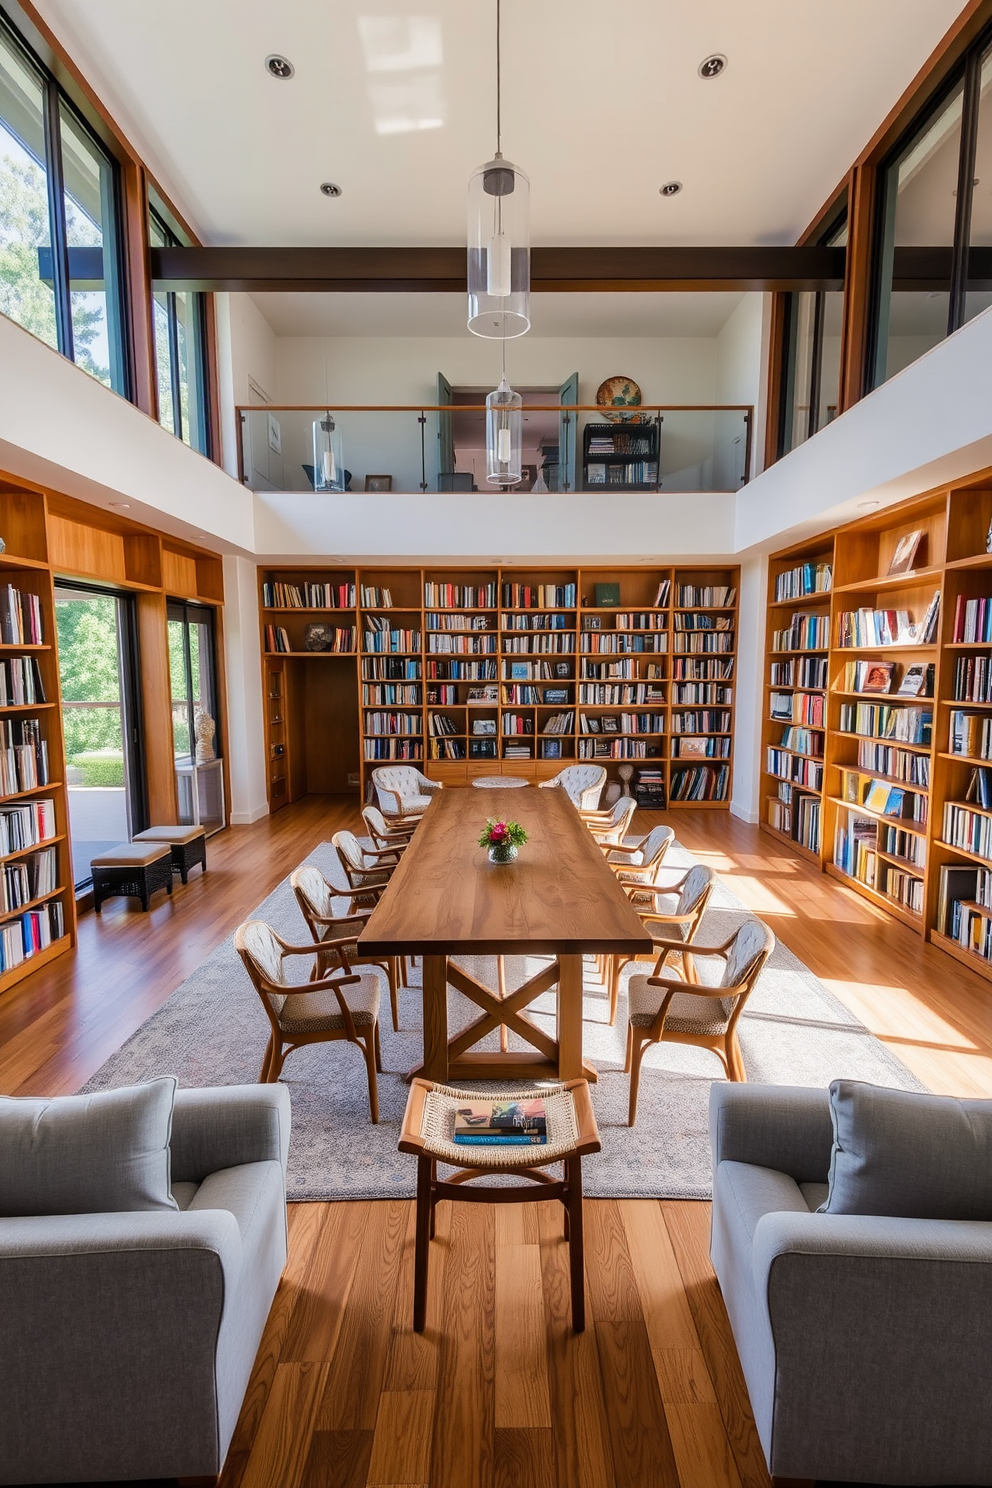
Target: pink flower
{"x":498,"y":832}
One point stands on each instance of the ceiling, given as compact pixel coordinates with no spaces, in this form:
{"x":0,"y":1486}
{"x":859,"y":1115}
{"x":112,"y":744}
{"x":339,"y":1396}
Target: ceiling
{"x":622,"y":315}
{"x":396,"y":104}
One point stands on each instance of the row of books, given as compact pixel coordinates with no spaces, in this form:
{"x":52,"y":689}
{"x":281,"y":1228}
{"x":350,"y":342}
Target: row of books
{"x":518,"y":723}
{"x":33,"y":932}
{"x":639,"y":620}
{"x":705,"y":641}
{"x":522,"y":695}
{"x":388,"y":694}
{"x":903,"y":887}
{"x":806,"y":578}
{"x":711,"y":670}
{"x":973,"y":619}
{"x":393,"y":723}
{"x":685,"y":746}
{"x":962,"y":893}
{"x":690,"y":621}
{"x":23,"y":756}
{"x":608,"y":693}
{"x":855,"y":843}
{"x":20,"y":617}
{"x":559,"y":723}
{"x":440,"y":723}
{"x":867,"y":627}
{"x":701,"y":721}
{"x":649,"y":788}
{"x":898,"y":764}
{"x":803,"y":633}
{"x":376,"y":597}
{"x":633,"y":473}
{"x":798,"y":707}
{"x":393,"y":749}
{"x":21,"y":682}
{"x":899,"y":843}
{"x":539,"y":671}
{"x":969,"y":830}
{"x":385,"y":640}
{"x":804,"y":741}
{"x":26,"y":880}
{"x":538,"y":596}
{"x":548,"y":644}
{"x":795,"y":767}
{"x":883,"y":797}
{"x":971,"y":734}
{"x":883,"y":721}
{"x":798,"y":818}
{"x":980,"y":787}
{"x":306,"y":596}
{"x":622,"y":723}
{"x":705,"y":596}
{"x":701,"y":692}
{"x":449,"y":749}
{"x":878,"y":676}
{"x":618,"y":443}
{"x":464,"y":645}
{"x":973,"y":679}
{"x":26,"y":825}
{"x":609,"y":642}
{"x":342,"y":640}
{"x":462,"y":671}
{"x":552,"y":620}
{"x":434,"y":620}
{"x":460,"y":596}
{"x":799,"y":671}
{"x":614,"y":747}
{"x":700,"y":783}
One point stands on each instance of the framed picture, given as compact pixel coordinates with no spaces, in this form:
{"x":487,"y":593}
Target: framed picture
{"x":275,"y":433}
{"x":910,"y":550}
{"x":692,"y":748}
{"x":378,"y":483}
{"x":551,"y":749}
{"x":482,"y":748}
{"x":563,"y":668}
{"x":483,"y":694}
{"x":593,"y":725}
{"x":483,"y":725}
{"x":877,"y":677}
{"x":591,"y":622}
{"x":556,"y":695}
{"x":519,"y":671}
{"x":611,"y":725}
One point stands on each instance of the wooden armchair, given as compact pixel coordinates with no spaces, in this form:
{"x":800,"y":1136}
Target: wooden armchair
{"x":316,"y":897}
{"x":385,"y":835}
{"x":582,"y":784}
{"x":705,"y":1016}
{"x":318,"y":1011}
{"x":610,"y":827}
{"x":404,"y":791}
{"x":639,"y":866}
{"x":681,"y":920}
{"x":367,"y":869}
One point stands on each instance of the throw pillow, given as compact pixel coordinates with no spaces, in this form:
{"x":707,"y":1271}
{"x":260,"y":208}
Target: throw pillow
{"x":87,"y":1154}
{"x":907,"y":1155}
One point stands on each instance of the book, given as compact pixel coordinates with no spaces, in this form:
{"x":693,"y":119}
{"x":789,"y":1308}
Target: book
{"x":877,"y":676}
{"x":914,"y":680}
{"x":607,"y":595}
{"x":910,"y":550}
{"x":518,"y":1122}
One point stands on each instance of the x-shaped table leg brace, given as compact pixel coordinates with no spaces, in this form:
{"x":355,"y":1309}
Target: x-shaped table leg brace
{"x":503,"y":1012}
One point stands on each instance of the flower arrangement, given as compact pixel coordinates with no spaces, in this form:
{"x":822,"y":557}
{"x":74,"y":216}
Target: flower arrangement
{"x":502,"y":839}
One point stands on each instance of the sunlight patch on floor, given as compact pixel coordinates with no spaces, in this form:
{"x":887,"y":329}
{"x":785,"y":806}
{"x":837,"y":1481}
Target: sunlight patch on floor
{"x":893,"y":1012}
{"x":757,"y":896}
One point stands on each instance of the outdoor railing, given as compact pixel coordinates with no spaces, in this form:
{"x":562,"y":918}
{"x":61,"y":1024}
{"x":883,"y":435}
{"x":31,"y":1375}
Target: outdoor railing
{"x":410,"y":448}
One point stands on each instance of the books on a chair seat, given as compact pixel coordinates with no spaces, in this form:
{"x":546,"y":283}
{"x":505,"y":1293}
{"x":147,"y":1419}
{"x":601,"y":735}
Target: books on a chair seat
{"x":513,"y":1123}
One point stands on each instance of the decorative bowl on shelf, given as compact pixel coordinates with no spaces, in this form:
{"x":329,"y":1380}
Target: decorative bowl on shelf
{"x":619,"y":393}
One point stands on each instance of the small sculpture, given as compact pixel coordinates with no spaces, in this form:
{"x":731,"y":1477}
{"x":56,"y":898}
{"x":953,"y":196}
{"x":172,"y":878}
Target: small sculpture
{"x":204,"y":729}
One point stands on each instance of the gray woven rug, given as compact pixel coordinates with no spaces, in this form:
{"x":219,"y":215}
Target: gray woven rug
{"x":212,"y":1031}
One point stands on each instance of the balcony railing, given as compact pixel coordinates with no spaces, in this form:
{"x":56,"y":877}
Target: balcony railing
{"x":411,"y":449}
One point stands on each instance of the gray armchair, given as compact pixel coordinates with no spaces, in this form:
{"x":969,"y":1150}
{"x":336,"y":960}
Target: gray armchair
{"x":127,"y":1339}
{"x":864,"y":1340}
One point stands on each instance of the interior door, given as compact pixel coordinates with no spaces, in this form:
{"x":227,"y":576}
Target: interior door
{"x":445,"y":433}
{"x":568,"y":433}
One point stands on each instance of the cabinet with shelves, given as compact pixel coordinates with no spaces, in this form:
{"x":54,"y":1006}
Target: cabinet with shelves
{"x":625,"y":456}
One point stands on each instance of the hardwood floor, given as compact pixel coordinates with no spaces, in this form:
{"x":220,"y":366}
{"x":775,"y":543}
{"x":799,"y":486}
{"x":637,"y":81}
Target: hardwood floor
{"x":497,"y":1393}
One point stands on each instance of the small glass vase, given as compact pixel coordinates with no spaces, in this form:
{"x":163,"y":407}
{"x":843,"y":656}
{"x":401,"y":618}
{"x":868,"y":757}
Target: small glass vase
{"x":502,"y":852}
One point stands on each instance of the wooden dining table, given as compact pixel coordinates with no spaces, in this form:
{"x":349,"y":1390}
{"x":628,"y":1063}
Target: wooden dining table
{"x":558,"y":899}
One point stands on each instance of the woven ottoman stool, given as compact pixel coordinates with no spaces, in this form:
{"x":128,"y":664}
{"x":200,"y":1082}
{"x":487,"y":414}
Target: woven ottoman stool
{"x":427,"y":1134}
{"x":132,"y":869}
{"x":188,"y":844}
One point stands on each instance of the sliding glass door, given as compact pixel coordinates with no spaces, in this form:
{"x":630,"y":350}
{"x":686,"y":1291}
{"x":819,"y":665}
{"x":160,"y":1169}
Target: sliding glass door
{"x":100,"y":718}
{"x":193,"y":678}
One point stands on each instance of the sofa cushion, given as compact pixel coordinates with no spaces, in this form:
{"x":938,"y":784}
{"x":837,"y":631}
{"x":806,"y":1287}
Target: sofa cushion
{"x":87,"y":1154}
{"x":909,"y":1156}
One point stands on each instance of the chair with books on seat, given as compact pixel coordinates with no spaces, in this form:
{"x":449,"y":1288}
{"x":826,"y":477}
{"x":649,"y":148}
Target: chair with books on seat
{"x":322,"y":1010}
{"x":702,"y":1013}
{"x":582,"y":784}
{"x":563,"y":1132}
{"x":316,"y":897}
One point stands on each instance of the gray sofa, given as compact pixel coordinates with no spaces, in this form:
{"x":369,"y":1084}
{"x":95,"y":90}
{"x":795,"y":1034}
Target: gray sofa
{"x":865,"y":1341}
{"x":127,"y":1339}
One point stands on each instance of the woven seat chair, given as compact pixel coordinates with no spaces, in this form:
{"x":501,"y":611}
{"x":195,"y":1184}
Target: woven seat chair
{"x":367,"y":869}
{"x":385,"y":835}
{"x":316,"y":897}
{"x":404,"y":791}
{"x":319,"y":1011}
{"x":639,"y":866}
{"x":611,"y":827}
{"x":664,"y":1007}
{"x":582,"y":784}
{"x":675,"y":912}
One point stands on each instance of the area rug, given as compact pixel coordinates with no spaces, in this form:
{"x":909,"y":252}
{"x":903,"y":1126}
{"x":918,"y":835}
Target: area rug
{"x":212,"y":1031}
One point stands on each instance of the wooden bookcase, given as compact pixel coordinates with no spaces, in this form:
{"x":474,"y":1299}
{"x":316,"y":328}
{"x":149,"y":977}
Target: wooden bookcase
{"x":913,"y":864}
{"x":483,"y":671}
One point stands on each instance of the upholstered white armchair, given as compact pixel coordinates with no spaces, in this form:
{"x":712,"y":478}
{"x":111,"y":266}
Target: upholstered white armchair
{"x":582,"y":784}
{"x":611,"y":826}
{"x":403,"y":791}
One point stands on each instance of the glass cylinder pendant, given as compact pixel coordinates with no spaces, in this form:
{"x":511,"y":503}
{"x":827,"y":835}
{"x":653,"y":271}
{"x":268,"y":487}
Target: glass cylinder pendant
{"x":328,"y":456}
{"x":498,"y":251}
{"x":504,"y":436}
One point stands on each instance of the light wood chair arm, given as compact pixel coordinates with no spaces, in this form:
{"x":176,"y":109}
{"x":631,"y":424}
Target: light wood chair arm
{"x":360,"y":917}
{"x":326,"y":984}
{"x":410,"y":1138}
{"x":622,"y":847}
{"x":656,"y":916}
{"x":384,"y":852}
{"x":672,"y":984}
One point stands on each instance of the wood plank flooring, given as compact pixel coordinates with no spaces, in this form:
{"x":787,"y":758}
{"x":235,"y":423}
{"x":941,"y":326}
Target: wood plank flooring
{"x":498,"y":1392}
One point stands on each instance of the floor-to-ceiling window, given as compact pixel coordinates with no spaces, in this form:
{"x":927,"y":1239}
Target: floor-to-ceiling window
{"x":180,"y":353}
{"x":193,"y":680}
{"x":811,"y":353}
{"x":59,"y":221}
{"x":97,"y":663}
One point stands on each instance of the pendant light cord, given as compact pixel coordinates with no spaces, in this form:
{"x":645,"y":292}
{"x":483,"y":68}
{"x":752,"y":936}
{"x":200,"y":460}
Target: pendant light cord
{"x":499,"y":122}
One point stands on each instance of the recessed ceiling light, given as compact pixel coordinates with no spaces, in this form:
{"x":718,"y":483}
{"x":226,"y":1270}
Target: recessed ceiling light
{"x":670,"y":188}
{"x":120,"y":505}
{"x":330,"y":188}
{"x":712,"y":66}
{"x":279,"y":67}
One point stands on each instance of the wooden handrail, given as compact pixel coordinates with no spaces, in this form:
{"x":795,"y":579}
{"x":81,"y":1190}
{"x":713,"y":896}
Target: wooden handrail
{"x":481,"y":408}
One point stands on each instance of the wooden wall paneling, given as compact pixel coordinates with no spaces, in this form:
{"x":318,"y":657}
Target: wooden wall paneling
{"x":89,"y":552}
{"x":223,"y":723}
{"x":179,"y":576}
{"x":156,"y":709}
{"x":776,"y":372}
{"x":210,"y":577}
{"x":143,"y":559}
{"x":22,"y":523}
{"x":144,"y":371}
{"x":296,"y":728}
{"x":332,"y":745}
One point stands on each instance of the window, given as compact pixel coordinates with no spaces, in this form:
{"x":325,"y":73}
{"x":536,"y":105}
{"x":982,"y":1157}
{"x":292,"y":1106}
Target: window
{"x":811,"y":361}
{"x":180,"y":354}
{"x":59,"y":259}
{"x":980,"y":235}
{"x":192,"y":673}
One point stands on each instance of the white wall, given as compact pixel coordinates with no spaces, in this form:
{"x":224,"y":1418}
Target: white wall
{"x":246,"y":354}
{"x":245,"y":704}
{"x":740,"y":359}
{"x":748,"y":688}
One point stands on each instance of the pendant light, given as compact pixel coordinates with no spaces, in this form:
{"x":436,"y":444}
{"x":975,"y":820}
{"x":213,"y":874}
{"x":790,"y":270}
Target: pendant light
{"x":328,"y":455}
{"x":504,"y":434}
{"x":498,"y":239}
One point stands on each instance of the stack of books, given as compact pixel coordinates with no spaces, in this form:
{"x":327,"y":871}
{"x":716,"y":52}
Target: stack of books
{"x":520,"y":1123}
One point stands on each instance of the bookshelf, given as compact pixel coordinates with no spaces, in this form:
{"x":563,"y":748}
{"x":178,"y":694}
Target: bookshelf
{"x":896,"y":721}
{"x":625,"y":457}
{"x":481,"y":671}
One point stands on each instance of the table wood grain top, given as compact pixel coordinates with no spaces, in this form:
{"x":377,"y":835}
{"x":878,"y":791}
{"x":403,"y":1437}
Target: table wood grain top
{"x":558,"y":898}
